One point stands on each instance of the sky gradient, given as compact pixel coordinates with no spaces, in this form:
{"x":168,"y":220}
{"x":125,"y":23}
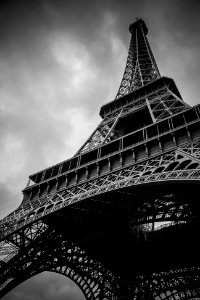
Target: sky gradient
{"x":59,"y":62}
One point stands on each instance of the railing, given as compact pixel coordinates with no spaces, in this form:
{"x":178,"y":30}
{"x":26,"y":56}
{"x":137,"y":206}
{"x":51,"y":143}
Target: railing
{"x":132,"y":136}
{"x":7,"y":228}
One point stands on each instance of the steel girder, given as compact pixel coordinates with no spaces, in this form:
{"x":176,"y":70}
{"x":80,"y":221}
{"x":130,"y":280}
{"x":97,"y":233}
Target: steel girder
{"x":140,"y":67}
{"x":180,"y":164}
{"x":31,"y":243}
{"x":161,"y":103}
{"x":49,"y":251}
{"x":19,"y":246}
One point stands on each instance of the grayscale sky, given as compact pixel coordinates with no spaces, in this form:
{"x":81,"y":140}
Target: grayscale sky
{"x":60,"y":60}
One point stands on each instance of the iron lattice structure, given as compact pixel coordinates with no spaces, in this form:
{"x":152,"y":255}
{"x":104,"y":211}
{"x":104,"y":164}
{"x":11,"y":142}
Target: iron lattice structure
{"x":121,"y":217}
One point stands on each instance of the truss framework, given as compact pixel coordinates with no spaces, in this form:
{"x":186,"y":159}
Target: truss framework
{"x":31,"y":231}
{"x":161,"y":103}
{"x":180,"y":164}
{"x":49,"y":251}
{"x":140,"y":67}
{"x":30,"y":244}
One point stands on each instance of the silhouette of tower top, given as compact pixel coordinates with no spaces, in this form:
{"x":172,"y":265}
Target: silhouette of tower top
{"x":137,"y":24}
{"x":141,"y":67}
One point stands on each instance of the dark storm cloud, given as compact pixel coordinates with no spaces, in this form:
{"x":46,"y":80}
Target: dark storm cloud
{"x":59,"y":62}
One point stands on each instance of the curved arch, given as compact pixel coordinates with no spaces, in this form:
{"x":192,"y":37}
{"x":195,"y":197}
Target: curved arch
{"x":62,"y":257}
{"x":78,"y":254}
{"x":87,"y":284}
{"x":159,"y":169}
{"x":81,"y":282}
{"x":40,"y":210}
{"x":89,"y":288}
{"x":50,"y":206}
{"x":193,"y":165}
{"x":183,"y":164}
{"x":146,"y":173}
{"x":82,"y":285}
{"x":58,"y":203}
{"x":171,"y":166}
{"x":47,"y":284}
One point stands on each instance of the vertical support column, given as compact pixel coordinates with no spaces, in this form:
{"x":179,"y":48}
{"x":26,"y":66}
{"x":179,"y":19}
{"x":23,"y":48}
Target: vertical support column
{"x":150,"y":110}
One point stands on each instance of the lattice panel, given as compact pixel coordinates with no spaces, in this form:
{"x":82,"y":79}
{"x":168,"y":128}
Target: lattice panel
{"x":102,"y":134}
{"x":30,"y":243}
{"x":175,"y":165}
{"x":164,"y":103}
{"x":50,"y":252}
{"x":140,"y":67}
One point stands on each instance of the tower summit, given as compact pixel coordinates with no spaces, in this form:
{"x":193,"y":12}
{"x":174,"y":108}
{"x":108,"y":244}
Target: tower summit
{"x":143,"y":94}
{"x":121,"y":218}
{"x":141,"y":67}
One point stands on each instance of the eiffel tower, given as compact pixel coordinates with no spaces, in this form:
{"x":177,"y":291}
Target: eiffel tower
{"x":121,"y":218}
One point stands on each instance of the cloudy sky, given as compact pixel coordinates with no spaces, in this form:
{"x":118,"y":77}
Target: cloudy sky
{"x":60,"y":60}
